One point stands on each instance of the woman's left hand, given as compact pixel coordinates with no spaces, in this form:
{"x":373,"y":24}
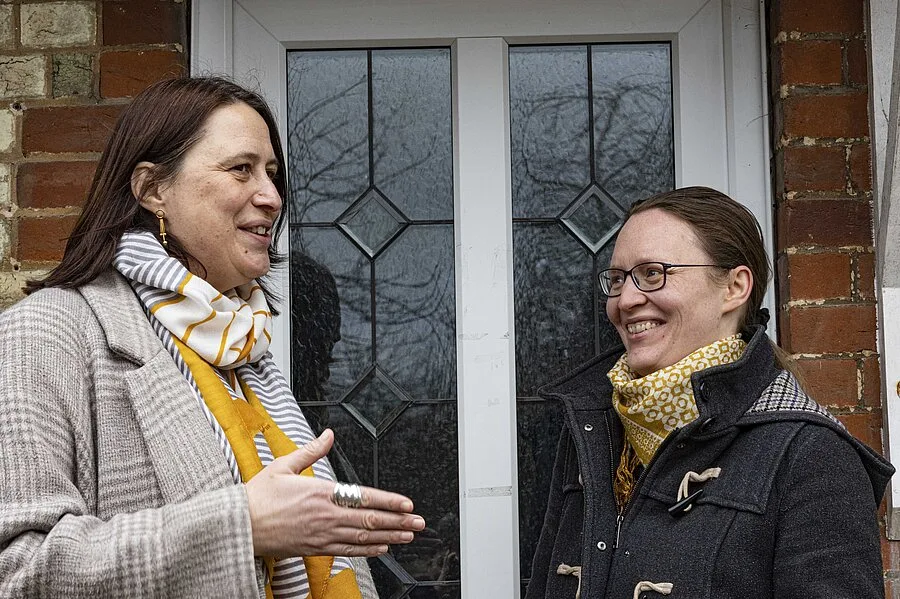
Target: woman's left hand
{"x":293,"y":515}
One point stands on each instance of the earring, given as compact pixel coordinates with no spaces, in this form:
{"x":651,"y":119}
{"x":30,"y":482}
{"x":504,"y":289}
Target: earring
{"x":161,"y":215}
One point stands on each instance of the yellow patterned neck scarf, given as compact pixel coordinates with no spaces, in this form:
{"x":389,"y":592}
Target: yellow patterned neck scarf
{"x":652,"y":406}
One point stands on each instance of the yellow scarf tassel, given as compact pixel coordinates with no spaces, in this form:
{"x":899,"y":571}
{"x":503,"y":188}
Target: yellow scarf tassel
{"x":241,"y":420}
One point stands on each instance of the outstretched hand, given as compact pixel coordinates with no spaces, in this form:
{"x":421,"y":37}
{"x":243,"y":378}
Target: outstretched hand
{"x":294,"y":515}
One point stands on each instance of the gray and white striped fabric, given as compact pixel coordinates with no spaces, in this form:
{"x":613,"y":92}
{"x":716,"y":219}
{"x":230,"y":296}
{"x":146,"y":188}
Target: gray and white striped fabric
{"x":150,"y":271}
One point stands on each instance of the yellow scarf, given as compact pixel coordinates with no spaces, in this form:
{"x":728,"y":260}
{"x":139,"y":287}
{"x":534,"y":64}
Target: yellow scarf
{"x":241,"y":420}
{"x":652,"y":406}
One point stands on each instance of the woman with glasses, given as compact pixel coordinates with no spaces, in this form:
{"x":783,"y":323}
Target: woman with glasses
{"x":692,"y":463}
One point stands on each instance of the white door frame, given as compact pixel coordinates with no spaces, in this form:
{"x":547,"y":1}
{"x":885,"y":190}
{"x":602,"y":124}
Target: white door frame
{"x":721,"y":140}
{"x":884,"y":19}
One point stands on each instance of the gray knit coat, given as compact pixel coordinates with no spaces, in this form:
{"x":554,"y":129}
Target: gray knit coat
{"x":112,"y":483}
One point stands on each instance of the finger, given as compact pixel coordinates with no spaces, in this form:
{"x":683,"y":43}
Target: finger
{"x":376,"y":520}
{"x":307,"y":455}
{"x":358,"y":536}
{"x":385,"y":500}
{"x":351,"y":550}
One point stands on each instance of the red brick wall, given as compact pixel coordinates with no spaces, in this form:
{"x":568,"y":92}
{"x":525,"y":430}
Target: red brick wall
{"x":824,"y":210}
{"x":68,"y":68}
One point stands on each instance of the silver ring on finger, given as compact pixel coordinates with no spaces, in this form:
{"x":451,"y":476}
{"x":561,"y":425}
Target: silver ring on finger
{"x":347,"y":495}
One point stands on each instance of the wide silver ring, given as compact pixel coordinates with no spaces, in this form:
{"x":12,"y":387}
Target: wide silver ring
{"x":347,"y":495}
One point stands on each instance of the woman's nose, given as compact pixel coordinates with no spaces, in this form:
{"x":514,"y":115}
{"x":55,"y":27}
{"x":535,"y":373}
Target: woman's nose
{"x":268,"y":197}
{"x":631,"y":295}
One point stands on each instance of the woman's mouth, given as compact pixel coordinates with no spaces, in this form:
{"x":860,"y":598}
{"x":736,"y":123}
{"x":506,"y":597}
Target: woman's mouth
{"x":639,"y":327}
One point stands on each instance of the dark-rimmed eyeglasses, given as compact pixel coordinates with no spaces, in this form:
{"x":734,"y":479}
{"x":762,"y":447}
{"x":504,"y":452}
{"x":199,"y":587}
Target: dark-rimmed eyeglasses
{"x":647,"y":276}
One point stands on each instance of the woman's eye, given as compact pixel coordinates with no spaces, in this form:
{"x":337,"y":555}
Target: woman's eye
{"x":272,"y":174}
{"x":241,"y":168}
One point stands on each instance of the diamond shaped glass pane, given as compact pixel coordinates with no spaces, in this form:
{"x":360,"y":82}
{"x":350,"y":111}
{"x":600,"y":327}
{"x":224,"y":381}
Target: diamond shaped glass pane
{"x":593,"y":217}
{"x":390,"y":578}
{"x":376,"y":401}
{"x":372,"y":222}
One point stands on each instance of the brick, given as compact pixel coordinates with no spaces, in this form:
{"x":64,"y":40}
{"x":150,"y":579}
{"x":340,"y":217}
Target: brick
{"x":23,"y":77}
{"x":7,"y":28}
{"x":831,"y":382}
{"x":831,"y":329}
{"x":7,"y":130}
{"x":4,"y":237}
{"x":811,"y":62}
{"x":818,"y":276}
{"x":11,"y":283}
{"x":865,"y":427}
{"x":53,"y":184}
{"x":826,"y":116}
{"x":861,"y":167}
{"x":58,"y":24}
{"x":73,"y":75}
{"x":838,"y":16}
{"x":125,"y":74}
{"x":871,"y":382}
{"x":857,"y":63}
{"x":890,"y":555}
{"x":831,"y":223}
{"x":865,"y":276}
{"x":43,"y":239}
{"x":68,"y":129}
{"x":5,"y":189}
{"x":143,"y":22}
{"x":814,"y":168}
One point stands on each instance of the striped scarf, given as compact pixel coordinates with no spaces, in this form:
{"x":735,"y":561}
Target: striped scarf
{"x":185,"y":307}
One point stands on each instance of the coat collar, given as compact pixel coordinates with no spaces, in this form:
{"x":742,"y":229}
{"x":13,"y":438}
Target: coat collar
{"x":121,"y":317}
{"x":163,"y":401}
{"x":723,"y":393}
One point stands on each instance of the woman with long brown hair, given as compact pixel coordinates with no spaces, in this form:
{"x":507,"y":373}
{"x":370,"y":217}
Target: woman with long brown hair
{"x":149,"y":445}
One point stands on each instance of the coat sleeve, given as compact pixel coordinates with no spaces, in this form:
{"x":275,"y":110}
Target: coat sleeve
{"x":827,"y":538}
{"x":52,"y":544}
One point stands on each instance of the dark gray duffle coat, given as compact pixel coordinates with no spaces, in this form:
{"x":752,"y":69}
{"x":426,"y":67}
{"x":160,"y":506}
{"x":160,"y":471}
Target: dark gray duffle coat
{"x":792,"y":514}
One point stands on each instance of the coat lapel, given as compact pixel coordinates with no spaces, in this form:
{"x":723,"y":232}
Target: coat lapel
{"x":184,"y":451}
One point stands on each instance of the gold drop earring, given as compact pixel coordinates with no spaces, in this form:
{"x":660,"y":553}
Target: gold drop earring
{"x":161,"y":215}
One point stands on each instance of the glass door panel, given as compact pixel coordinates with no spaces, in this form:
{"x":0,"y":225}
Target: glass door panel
{"x":591,"y":132}
{"x":373,"y":323}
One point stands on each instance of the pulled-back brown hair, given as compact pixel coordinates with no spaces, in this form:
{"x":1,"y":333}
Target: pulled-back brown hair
{"x":160,"y":125}
{"x":731,"y":236}
{"x":728,"y":233}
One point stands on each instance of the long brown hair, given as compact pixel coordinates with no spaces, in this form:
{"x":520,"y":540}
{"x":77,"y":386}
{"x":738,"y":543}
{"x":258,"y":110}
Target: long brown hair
{"x":731,"y":236}
{"x":160,"y":125}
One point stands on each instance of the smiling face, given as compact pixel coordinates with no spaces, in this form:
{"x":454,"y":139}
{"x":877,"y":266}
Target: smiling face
{"x":692,"y":310}
{"x":222,"y":203}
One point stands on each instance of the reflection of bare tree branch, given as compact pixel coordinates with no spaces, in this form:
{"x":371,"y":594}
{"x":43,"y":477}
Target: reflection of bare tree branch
{"x":330,"y":142}
{"x":632,"y":129}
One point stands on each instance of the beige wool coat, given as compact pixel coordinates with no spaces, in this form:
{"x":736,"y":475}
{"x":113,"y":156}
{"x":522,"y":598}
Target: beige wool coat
{"x":112,"y":482}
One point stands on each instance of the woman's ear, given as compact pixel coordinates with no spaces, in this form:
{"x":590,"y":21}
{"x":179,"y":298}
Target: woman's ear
{"x":740,"y":285}
{"x":143,"y":188}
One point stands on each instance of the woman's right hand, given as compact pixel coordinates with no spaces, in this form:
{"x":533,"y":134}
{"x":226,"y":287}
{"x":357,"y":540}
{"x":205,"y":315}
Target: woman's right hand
{"x":294,"y":515}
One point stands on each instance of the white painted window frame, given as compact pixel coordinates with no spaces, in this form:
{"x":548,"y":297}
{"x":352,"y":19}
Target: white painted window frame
{"x":721,"y":140}
{"x":884,"y":20}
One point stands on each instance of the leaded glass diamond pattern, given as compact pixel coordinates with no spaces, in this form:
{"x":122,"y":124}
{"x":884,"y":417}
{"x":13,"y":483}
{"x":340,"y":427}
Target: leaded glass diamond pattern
{"x":372,"y":222}
{"x":376,"y":401}
{"x":593,"y":218}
